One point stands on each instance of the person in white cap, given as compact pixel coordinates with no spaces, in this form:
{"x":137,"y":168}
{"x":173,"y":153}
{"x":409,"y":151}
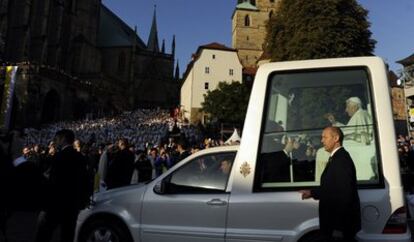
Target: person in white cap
{"x":358,"y":127}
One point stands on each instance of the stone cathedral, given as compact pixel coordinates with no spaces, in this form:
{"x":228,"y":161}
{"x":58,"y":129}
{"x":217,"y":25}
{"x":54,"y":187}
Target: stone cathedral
{"x":77,"y":59}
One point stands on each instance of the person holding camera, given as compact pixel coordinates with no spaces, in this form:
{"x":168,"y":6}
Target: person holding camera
{"x":162,"y":162}
{"x":121,"y":166}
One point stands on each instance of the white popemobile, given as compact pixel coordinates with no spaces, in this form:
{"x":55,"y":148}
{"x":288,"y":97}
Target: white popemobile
{"x":198,"y":200}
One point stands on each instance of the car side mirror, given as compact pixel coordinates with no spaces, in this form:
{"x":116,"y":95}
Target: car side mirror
{"x":159,"y":188}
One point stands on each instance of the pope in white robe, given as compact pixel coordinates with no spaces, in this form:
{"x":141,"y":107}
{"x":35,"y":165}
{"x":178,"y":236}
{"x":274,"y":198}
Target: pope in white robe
{"x":358,"y":137}
{"x":359,"y":126}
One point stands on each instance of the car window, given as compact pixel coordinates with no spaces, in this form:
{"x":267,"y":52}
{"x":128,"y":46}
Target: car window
{"x":208,"y":173}
{"x":298,"y":107}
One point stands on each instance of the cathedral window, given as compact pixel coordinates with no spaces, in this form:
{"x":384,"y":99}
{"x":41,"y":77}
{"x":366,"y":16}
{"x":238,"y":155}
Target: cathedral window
{"x":121,"y":62}
{"x":271,"y":14}
{"x":214,"y":56}
{"x":247,"y":20}
{"x":73,"y":6}
{"x":231,"y":72}
{"x":247,"y":38}
{"x":207,"y":70}
{"x":205,"y":85}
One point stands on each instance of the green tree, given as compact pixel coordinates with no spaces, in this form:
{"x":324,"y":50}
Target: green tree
{"x":318,"y":29}
{"x":227,"y":103}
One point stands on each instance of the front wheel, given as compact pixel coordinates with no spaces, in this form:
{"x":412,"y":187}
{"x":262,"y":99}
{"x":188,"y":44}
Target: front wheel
{"x":313,"y":236}
{"x":104,"y":231}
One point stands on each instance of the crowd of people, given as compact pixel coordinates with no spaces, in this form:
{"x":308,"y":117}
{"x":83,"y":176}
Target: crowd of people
{"x":121,"y":150}
{"x":139,"y":127}
{"x":405,"y":146}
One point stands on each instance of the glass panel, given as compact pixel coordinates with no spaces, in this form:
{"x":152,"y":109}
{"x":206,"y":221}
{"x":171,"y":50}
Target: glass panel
{"x":299,"y":107}
{"x":207,"y":172}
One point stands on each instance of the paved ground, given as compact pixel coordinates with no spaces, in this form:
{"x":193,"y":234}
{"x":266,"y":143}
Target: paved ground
{"x":21,"y":227}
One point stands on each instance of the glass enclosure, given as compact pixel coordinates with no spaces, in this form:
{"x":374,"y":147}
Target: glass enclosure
{"x":299,"y":105}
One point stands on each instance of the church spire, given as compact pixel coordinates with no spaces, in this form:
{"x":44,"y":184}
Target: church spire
{"x":163,"y":46}
{"x":177,"y":72}
{"x":173,"y":47}
{"x":153,"y":37}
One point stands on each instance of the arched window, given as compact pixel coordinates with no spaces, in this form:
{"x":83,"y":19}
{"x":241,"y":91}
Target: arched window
{"x":51,"y":107}
{"x":247,"y":20}
{"x":270,"y":14}
{"x":73,"y":5}
{"x":121,"y":62}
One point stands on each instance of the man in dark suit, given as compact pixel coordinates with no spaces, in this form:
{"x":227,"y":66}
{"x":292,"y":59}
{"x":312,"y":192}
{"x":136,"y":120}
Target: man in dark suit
{"x":277,"y":166}
{"x":339,"y":207}
{"x":182,"y":151}
{"x":28,"y":183}
{"x":67,"y":189}
{"x":5,"y":171}
{"x":120,"y":169}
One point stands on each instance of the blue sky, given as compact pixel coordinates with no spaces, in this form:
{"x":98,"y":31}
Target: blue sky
{"x":197,"y":22}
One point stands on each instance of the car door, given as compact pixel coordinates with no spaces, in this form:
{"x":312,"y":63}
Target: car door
{"x":192,"y":205}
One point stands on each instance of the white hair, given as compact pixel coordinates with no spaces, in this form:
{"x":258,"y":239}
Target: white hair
{"x":355,"y":100}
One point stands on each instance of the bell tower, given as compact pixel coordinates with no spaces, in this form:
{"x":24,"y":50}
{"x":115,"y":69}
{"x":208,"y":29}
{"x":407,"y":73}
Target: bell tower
{"x":249,"y":28}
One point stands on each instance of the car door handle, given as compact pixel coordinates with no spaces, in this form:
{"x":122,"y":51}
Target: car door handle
{"x":216,"y":202}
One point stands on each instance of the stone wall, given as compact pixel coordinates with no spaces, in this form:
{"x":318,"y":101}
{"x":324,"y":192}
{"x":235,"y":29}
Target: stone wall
{"x":249,"y":40}
{"x":398,"y":106}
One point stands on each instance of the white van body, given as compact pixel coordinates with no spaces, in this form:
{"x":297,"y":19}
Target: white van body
{"x":377,"y":204}
{"x":252,"y":204}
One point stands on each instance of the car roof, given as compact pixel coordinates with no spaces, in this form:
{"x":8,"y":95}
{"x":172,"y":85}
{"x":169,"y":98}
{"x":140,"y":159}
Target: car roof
{"x":219,"y":149}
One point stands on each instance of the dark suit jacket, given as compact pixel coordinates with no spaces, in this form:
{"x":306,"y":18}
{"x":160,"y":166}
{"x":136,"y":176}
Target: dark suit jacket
{"x":275,"y":167}
{"x":339,"y":207}
{"x":120,"y":169}
{"x":6,"y":184}
{"x":28,"y":187}
{"x":68,"y":182}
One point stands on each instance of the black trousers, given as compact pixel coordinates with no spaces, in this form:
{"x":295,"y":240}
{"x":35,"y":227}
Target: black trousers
{"x":48,"y":221}
{"x":3,"y":222}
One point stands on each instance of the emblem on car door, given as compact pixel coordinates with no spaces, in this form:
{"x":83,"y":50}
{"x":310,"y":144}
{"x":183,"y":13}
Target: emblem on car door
{"x":245,"y":169}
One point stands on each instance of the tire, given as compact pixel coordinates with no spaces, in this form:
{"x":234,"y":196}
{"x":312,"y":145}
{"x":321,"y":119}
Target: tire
{"x":105,"y":231}
{"x":311,"y":237}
